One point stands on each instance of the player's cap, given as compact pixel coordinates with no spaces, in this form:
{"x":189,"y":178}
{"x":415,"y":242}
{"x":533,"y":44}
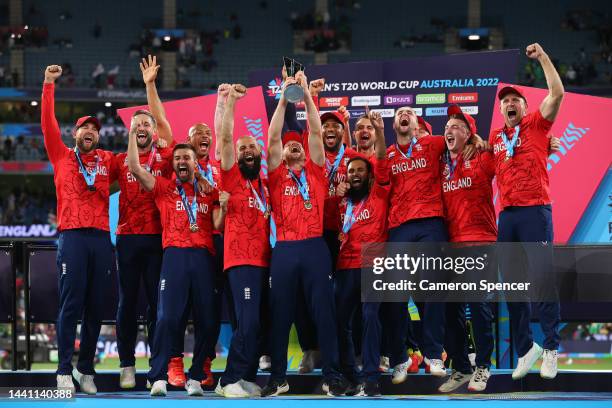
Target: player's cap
{"x":425,"y":123}
{"x":85,"y":119}
{"x":456,"y":110}
{"x":292,"y":136}
{"x":510,"y":89}
{"x":335,"y":115}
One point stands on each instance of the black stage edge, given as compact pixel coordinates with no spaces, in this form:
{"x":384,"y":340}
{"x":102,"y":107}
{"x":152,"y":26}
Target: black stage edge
{"x":416,"y":384}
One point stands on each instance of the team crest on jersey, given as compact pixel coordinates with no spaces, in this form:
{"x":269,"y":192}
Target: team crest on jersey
{"x":346,"y":160}
{"x":446,"y":171}
{"x":467,"y":165}
{"x":391,"y":155}
{"x":418,"y":147}
{"x":158,"y":157}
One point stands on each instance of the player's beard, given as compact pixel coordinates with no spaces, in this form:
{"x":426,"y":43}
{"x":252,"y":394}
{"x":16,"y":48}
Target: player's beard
{"x":147,"y":141}
{"x":81,"y":145}
{"x":358,"y":194}
{"x":250,"y":172}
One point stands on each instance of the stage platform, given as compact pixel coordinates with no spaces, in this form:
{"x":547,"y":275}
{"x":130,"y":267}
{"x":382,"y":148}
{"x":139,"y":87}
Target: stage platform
{"x":421,"y":384}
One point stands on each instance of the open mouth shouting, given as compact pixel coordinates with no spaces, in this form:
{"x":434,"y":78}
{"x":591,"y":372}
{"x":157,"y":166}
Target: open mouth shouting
{"x":356,"y":182}
{"x":330,"y":138}
{"x":182,"y":171}
{"x":249,"y":158}
{"x":450,"y":141}
{"x":204,"y":145}
{"x":512,"y":113}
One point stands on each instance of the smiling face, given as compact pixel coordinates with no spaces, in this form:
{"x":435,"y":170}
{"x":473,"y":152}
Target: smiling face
{"x":405,"y":122}
{"x":145,"y":129}
{"x":514,"y":109}
{"x":200,"y":137}
{"x":332,"y":134}
{"x":183,"y":162}
{"x":456,"y":135}
{"x":248,"y":156}
{"x":364,"y":133}
{"x":293,"y":152}
{"x":359,"y":178}
{"x":87,"y":137}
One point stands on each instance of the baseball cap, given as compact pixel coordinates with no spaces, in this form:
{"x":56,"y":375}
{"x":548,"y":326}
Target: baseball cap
{"x":292,"y":136}
{"x":84,"y":119}
{"x":510,"y":89}
{"x":335,"y":115}
{"x":425,"y":123}
{"x":456,"y":110}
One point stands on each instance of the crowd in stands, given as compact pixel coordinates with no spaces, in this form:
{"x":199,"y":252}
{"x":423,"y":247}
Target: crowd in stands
{"x":27,"y":205}
{"x":593,"y":331}
{"x":322,"y":32}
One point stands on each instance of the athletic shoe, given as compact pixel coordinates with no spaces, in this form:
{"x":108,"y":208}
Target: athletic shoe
{"x":265,"y":363}
{"x":436,"y":367}
{"x":525,"y":363}
{"x":176,"y":372}
{"x":372,"y":388}
{"x":426,"y":362}
{"x":325,"y":388}
{"x":252,"y":388}
{"x":275,"y":388}
{"x":127,"y":377}
{"x":455,"y":381}
{"x":336,"y":387}
{"x":64,"y":381}
{"x":149,"y":386}
{"x":384,"y":365}
{"x":159,"y":388}
{"x":548,"y":370}
{"x":208,"y":380}
{"x":233,"y":390}
{"x":400,"y":372}
{"x":194,"y":388}
{"x":417,"y":359}
{"x":307,"y":365}
{"x":86,"y":382}
{"x":472,"y":358}
{"x":479,"y":379}
{"x":353,"y":388}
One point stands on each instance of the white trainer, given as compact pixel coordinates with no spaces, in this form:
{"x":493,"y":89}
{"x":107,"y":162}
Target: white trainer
{"x":65,"y":382}
{"x":400,"y":372}
{"x":235,"y":390}
{"x":436,"y":367}
{"x":194,"y":388}
{"x":265,"y":363}
{"x":455,"y":381}
{"x":86,"y":382}
{"x":127,"y":377}
{"x":159,"y":388}
{"x":252,"y":388}
{"x":384,"y":364}
{"x":478,"y":382}
{"x":548,"y":370}
{"x":525,"y":363}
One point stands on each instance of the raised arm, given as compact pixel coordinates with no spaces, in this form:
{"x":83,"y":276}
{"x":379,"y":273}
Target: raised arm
{"x":222,"y":92}
{"x":51,"y":131}
{"x":219,"y":213}
{"x":149,"y":69}
{"x":315,"y":141}
{"x":228,"y":155}
{"x":551,"y":104}
{"x":378,"y":123}
{"x":146,"y":179}
{"x":346,"y":136}
{"x":275,"y":144}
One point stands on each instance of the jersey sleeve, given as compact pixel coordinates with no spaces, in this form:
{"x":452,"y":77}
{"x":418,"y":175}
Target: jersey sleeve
{"x":487,"y":161}
{"x":160,"y":186}
{"x":56,"y":149}
{"x":539,"y":122}
{"x":115,"y":165}
{"x":439,"y":144}
{"x":381,"y":172}
{"x":230,"y":179}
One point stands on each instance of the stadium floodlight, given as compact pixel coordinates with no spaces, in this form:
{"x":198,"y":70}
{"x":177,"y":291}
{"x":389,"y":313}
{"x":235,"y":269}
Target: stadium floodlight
{"x":34,"y":103}
{"x":474,"y":37}
{"x":108,"y":104}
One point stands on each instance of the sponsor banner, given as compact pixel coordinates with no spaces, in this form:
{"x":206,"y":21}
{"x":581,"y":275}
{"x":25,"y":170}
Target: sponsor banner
{"x":333,"y":101}
{"x":576,"y":171}
{"x":385,"y":113}
{"x":469,"y":97}
{"x":470,"y":110}
{"x":398,"y":100}
{"x":373,"y":100}
{"x":435,"y":112}
{"x":20,"y":167}
{"x":95,"y":95}
{"x":471,"y":78}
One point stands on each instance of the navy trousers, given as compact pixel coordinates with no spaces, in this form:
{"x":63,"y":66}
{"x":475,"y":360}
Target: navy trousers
{"x":302,"y":264}
{"x":139,"y":257}
{"x":84,"y":262}
{"x":530,"y":224}
{"x":186,"y":272}
{"x":247,"y":285}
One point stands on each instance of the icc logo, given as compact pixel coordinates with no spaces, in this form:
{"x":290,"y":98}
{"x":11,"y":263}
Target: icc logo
{"x":274,"y":88}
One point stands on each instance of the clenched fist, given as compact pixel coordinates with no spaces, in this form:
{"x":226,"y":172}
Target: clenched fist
{"x":52,"y":73}
{"x":534,"y":51}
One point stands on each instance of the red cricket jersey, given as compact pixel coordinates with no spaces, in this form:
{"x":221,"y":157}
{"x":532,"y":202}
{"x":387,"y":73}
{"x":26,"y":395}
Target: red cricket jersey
{"x":523,"y":179}
{"x":415,"y":181}
{"x":246,"y":238}
{"x":468,"y":199}
{"x":77,"y":206}
{"x":293,"y":221}
{"x":370,"y":224}
{"x":174,"y":217}
{"x":138,"y":213}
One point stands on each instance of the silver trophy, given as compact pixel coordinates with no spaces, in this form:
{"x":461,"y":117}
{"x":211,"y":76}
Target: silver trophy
{"x":294,"y":92}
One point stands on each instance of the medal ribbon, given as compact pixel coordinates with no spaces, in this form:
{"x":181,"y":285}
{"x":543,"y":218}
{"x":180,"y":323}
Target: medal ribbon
{"x":260,"y":197}
{"x":409,"y":153}
{"x":207,"y":174}
{"x":511,"y":144}
{"x":192,"y":209}
{"x":333,"y":169}
{"x":349,"y":218}
{"x":452,"y":164}
{"x":90,"y":178}
{"x":151,"y":158}
{"x":302,"y":184}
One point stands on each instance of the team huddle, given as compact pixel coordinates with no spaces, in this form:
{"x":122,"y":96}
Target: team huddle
{"x":286,"y":247}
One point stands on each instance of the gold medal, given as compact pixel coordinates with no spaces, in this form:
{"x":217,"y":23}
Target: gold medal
{"x":341,"y":236}
{"x":194,"y":227}
{"x":332,"y":190}
{"x":266,"y":214}
{"x":308,"y":205}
